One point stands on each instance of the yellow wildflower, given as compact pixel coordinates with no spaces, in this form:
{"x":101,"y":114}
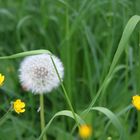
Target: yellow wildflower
{"x":85,"y":131}
{"x":18,"y":106}
{"x":1,"y":79}
{"x":136,"y":101}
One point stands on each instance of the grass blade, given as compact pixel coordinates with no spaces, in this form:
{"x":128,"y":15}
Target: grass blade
{"x":61,"y":113}
{"x":23,"y":54}
{"x":121,"y":47}
{"x":113,"y":118}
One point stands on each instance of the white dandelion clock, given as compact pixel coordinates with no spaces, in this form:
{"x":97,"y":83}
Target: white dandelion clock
{"x":38,"y":74}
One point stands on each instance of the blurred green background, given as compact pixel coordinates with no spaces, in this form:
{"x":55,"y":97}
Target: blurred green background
{"x":84,"y":34}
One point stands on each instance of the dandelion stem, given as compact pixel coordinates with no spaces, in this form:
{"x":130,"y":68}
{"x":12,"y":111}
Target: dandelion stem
{"x":42,"y":119}
{"x":65,"y":92}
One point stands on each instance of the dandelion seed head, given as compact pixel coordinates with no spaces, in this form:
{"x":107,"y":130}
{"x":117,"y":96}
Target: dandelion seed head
{"x":38,"y":74}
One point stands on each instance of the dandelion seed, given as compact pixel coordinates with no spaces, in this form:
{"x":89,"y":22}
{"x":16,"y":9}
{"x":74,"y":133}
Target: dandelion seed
{"x":2,"y":78}
{"x":85,"y":131}
{"x":37,"y":73}
{"x":136,"y":101}
{"x":19,"y":106}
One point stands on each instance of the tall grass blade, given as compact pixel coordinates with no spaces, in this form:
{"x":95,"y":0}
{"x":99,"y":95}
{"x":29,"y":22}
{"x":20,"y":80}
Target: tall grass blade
{"x":61,"y":113}
{"x":113,"y":118}
{"x":121,"y":47}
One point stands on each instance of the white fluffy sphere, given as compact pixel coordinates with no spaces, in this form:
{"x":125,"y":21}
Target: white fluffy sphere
{"x":38,"y":74}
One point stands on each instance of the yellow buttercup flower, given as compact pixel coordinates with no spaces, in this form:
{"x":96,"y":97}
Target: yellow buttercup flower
{"x":85,"y":131}
{"x":19,"y":106}
{"x":2,"y":77}
{"x":136,"y":101}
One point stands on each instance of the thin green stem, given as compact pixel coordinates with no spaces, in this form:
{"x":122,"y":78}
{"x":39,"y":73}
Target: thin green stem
{"x":42,"y":11}
{"x":138,"y":85}
{"x":65,"y":92}
{"x":138,"y":133}
{"x":5,"y":116}
{"x":42,"y":119}
{"x":85,"y":112}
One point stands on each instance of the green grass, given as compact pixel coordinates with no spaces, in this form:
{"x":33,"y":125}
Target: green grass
{"x":85,"y":34}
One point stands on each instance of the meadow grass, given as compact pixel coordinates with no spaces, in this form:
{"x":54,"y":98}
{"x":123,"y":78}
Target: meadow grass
{"x":85,"y":34}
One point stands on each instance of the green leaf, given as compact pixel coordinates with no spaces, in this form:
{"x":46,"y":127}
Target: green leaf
{"x":129,"y":28}
{"x":61,"y":113}
{"x":5,"y":12}
{"x":113,"y":118}
{"x":27,"y":53}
